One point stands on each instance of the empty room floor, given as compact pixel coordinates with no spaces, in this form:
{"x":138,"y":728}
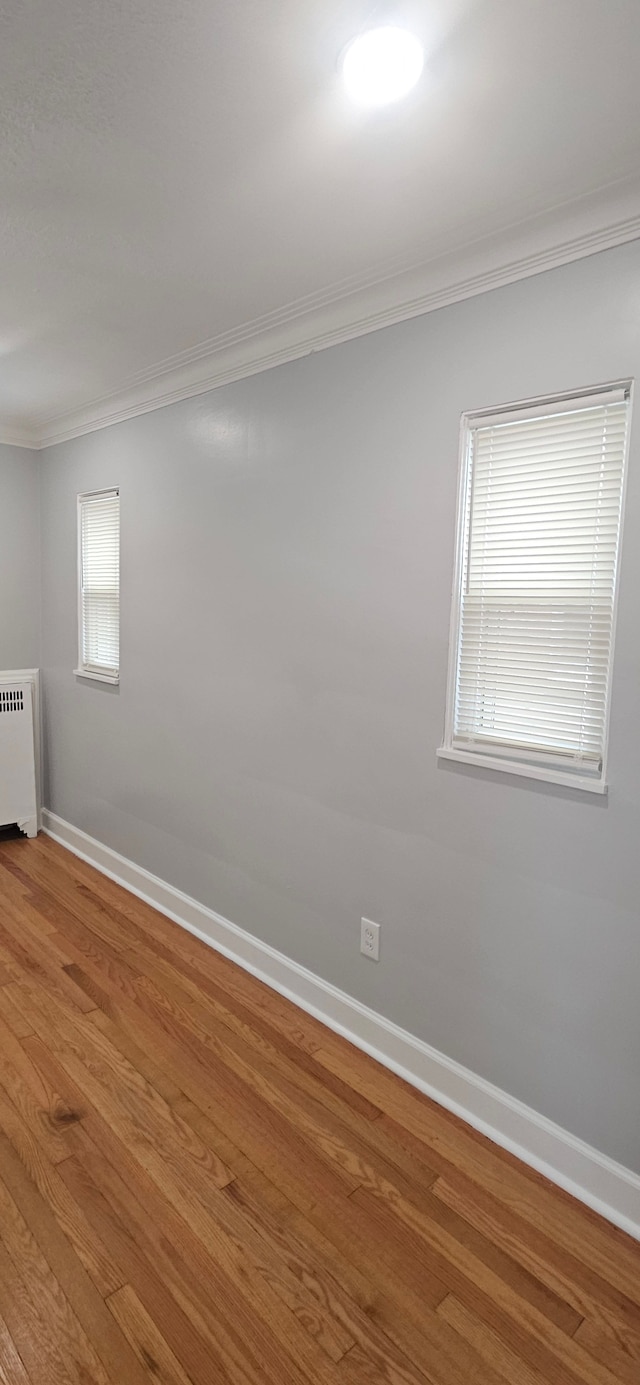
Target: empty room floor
{"x":201,"y":1184}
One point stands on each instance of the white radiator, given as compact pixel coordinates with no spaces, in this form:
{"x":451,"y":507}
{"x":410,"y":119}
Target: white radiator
{"x":17,"y":754}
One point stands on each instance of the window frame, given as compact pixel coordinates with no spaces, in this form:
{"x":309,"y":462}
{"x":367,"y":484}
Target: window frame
{"x":502,"y":762}
{"x":92,"y":671}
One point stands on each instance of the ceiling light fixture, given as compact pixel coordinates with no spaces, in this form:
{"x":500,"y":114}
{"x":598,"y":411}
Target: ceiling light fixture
{"x":382,"y":65}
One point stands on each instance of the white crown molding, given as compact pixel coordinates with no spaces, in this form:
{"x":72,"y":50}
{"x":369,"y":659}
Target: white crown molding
{"x":19,"y":437}
{"x":354,"y":307}
{"x":594,"y":1178}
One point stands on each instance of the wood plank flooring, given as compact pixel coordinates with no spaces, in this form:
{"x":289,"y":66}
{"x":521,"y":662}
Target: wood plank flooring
{"x":200,"y":1185}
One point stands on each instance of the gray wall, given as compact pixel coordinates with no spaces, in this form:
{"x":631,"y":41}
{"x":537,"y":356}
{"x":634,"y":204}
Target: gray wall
{"x":19,"y":558}
{"x":287,"y":554}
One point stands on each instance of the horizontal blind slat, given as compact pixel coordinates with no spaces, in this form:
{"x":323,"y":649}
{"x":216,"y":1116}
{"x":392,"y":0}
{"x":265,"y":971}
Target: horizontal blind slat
{"x":539,"y":574}
{"x":100,"y":581}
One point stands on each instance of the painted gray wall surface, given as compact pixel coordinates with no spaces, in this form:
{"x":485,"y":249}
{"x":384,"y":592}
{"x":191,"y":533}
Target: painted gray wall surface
{"x":19,"y":558}
{"x":287,"y":558}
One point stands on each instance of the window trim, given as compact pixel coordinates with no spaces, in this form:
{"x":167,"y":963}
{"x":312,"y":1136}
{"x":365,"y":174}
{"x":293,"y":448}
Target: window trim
{"x":92,"y":672}
{"x":501,"y":761}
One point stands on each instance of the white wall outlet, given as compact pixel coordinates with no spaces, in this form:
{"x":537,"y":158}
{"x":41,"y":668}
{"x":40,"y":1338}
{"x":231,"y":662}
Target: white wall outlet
{"x":370,"y":939}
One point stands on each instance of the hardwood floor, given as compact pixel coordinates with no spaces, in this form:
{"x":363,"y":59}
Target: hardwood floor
{"x":199,"y":1184}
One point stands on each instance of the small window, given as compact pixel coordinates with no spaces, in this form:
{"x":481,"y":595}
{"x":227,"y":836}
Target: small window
{"x":99,"y":585}
{"x":536,"y":574}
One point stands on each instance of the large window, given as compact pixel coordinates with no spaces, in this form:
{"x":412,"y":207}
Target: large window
{"x":534,"y":601}
{"x":99,"y":585}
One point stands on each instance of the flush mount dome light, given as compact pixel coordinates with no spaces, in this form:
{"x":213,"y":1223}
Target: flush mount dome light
{"x":382,"y":65}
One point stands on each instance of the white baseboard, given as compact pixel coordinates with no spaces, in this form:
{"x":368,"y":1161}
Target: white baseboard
{"x":594,"y":1178}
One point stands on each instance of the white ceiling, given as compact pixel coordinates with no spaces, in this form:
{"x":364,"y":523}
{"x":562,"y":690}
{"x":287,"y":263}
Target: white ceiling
{"x":186,"y":194}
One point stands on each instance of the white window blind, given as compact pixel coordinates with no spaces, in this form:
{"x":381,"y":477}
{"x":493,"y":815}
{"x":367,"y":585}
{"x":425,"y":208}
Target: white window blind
{"x":541,"y":514}
{"x":99,"y":583}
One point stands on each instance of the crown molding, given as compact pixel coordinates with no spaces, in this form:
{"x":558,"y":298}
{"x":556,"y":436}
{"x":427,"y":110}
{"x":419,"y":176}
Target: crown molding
{"x":356,"y":307}
{"x":19,"y":437}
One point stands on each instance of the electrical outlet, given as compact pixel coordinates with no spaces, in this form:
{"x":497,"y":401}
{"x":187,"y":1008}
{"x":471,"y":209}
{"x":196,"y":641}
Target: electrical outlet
{"x":370,"y":939}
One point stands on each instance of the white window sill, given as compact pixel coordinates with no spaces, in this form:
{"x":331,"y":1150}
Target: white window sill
{"x":97,"y":677}
{"x":548,"y":776}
